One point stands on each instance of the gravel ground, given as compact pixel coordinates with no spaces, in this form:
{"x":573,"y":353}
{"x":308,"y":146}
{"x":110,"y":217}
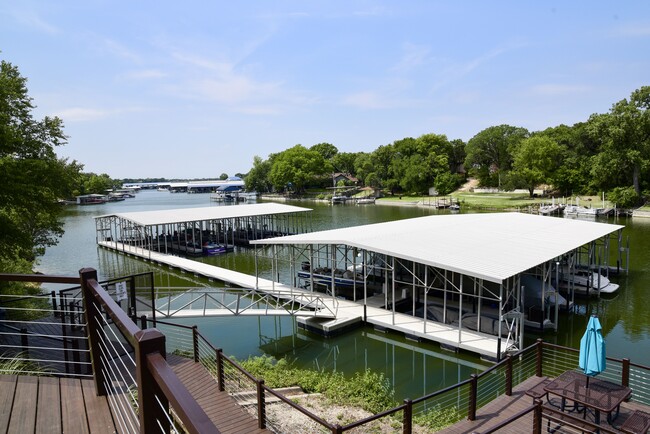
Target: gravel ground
{"x":288,"y":420}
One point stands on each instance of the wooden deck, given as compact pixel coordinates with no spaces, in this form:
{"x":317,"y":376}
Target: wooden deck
{"x":30,"y":404}
{"x":505,"y":407}
{"x":220,"y":407}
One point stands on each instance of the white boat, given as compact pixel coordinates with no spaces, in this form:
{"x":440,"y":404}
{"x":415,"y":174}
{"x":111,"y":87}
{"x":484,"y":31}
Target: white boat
{"x":454,"y":207}
{"x":539,"y":314}
{"x":576,"y":210}
{"x":365,"y":200}
{"x":586,"y":282}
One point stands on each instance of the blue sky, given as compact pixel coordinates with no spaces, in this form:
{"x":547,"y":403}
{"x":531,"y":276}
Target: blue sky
{"x":198,"y":88}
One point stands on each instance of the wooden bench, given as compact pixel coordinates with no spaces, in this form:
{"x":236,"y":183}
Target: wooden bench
{"x":636,"y":423}
{"x":558,"y":421}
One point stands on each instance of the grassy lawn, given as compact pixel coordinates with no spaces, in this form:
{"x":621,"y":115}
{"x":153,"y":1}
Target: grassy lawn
{"x":502,"y":200}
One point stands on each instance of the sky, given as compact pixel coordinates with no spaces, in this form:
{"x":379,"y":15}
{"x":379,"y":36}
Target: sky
{"x":194,"y":89}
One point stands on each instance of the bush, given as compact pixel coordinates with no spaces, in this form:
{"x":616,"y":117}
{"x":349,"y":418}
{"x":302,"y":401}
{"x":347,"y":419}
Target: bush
{"x":368,"y":390}
{"x":624,"y":197}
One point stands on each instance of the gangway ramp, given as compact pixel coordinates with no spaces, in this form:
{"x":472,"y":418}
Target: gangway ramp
{"x":203,"y":302}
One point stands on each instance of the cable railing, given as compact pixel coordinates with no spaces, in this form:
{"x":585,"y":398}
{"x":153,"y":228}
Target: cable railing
{"x":129,"y":367}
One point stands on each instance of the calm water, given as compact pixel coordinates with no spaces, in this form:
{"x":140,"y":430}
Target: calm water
{"x":413,"y":368}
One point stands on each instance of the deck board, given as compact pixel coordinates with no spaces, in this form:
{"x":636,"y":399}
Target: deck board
{"x":7,"y":391}
{"x":48,"y":416}
{"x":23,"y":413}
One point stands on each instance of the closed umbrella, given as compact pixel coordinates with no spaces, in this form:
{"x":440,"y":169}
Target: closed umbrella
{"x":592,"y":349}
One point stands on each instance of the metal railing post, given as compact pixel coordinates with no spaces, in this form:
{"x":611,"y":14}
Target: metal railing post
{"x":195,"y":343}
{"x":53,"y":295}
{"x":94,"y":329}
{"x":153,"y":404}
{"x":508,"y":375}
{"x":220,"y":373}
{"x":473,"y":385}
{"x":407,"y":424}
{"x":24,"y":341}
{"x":261,"y":405}
{"x":143,"y":322}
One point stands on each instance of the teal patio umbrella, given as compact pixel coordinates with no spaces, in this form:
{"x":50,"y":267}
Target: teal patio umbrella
{"x":592,"y":349}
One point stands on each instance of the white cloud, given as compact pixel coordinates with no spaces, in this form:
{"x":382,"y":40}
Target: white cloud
{"x":87,"y":114}
{"x":366,"y":100}
{"x":414,"y":56}
{"x":554,"y":89}
{"x":120,"y":50}
{"x":31,"y":19}
{"x":144,"y":74}
{"x":634,"y":30}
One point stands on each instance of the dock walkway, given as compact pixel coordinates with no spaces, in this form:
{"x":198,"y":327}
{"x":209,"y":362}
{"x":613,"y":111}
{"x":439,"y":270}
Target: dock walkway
{"x":348,"y":313}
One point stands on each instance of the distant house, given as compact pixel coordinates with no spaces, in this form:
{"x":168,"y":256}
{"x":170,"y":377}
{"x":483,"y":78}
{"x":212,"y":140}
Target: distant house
{"x":345,"y":177}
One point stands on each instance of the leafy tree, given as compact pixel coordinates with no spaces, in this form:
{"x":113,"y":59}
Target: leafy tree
{"x":296,"y":167}
{"x":536,"y":160}
{"x":344,"y":162}
{"x":258,"y":177}
{"x":327,"y":150}
{"x":625,"y":136}
{"x":223,"y":176}
{"x":489,"y":153}
{"x":457,"y":155}
{"x":624,"y":197}
{"x":33,"y":178}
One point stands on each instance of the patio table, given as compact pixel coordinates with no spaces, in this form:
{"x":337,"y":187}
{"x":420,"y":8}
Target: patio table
{"x":600,"y":396}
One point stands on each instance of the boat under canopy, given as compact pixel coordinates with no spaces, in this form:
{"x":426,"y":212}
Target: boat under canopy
{"x":460,"y":273}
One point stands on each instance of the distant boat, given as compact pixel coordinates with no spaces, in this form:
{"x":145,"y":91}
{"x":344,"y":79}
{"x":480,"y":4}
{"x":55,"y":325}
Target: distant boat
{"x":454,"y":207}
{"x":365,"y":200}
{"x":91,"y":199}
{"x":213,"y":249}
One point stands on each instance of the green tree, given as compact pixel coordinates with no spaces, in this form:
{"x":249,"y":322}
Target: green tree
{"x":257,"y":178}
{"x":327,"y":150}
{"x":489,"y":153}
{"x":295,"y":167}
{"x":536,"y":160}
{"x":223,"y":176}
{"x":344,"y":162}
{"x":625,"y":136}
{"x":33,"y":177}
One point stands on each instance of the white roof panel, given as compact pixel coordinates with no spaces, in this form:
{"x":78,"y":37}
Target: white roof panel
{"x":492,"y":246}
{"x":168,"y":216}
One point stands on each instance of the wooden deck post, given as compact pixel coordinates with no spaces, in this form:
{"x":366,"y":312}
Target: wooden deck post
{"x":407,"y":424}
{"x":195,"y":343}
{"x":220,"y":374}
{"x":153,"y":404}
{"x":540,"y":354}
{"x":473,"y":385}
{"x":261,"y":405}
{"x":94,"y":330}
{"x":537,"y":417}
{"x":508,"y":375}
{"x":625,"y":373}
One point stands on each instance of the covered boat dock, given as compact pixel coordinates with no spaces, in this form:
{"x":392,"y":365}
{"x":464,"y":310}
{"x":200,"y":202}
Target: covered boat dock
{"x":461,"y":280}
{"x":189,"y":229}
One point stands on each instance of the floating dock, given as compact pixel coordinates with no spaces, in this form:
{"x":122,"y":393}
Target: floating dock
{"x":349,"y":314}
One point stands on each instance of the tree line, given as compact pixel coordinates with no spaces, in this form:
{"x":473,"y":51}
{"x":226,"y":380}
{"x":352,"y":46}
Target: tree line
{"x":608,"y":152}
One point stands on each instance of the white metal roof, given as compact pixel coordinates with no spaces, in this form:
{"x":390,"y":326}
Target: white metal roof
{"x":168,"y":216}
{"x":492,"y":246}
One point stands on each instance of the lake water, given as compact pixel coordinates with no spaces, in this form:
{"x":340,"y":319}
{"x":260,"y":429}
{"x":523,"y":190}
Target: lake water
{"x":413,"y":368}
